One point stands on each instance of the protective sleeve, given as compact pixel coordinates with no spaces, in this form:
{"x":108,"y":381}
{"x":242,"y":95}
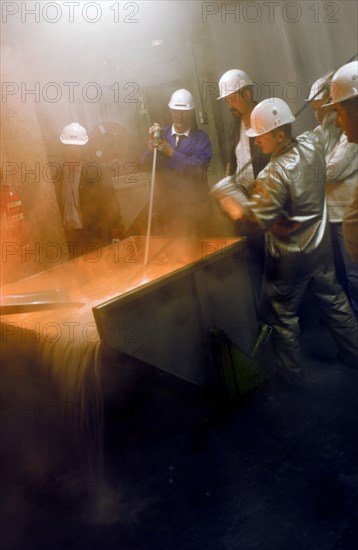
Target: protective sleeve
{"x":265,"y":203}
{"x":350,"y":226}
{"x":327,"y":133}
{"x":343,"y":161}
{"x":269,"y":196}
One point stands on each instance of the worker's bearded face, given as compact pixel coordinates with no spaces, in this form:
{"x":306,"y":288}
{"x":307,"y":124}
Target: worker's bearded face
{"x":234,"y":112}
{"x":239,"y":103}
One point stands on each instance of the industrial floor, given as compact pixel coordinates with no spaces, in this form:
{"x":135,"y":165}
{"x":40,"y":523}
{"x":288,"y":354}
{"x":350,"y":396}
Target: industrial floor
{"x":278,"y":471}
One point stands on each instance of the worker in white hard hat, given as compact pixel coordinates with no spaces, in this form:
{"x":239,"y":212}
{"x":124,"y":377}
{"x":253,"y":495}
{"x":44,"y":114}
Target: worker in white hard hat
{"x":246,"y":160}
{"x":74,"y":138}
{"x":85,"y":193}
{"x":182,"y":205}
{"x":288,"y":202}
{"x":341,"y":179}
{"x":344,"y":99}
{"x":236,"y":89}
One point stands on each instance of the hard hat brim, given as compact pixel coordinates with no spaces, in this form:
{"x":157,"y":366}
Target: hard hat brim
{"x":332,"y":102}
{"x":180,"y":107}
{"x":73,"y":142}
{"x":226,"y":95}
{"x":251,"y":133}
{"x":222,"y":96}
{"x":314,"y":98}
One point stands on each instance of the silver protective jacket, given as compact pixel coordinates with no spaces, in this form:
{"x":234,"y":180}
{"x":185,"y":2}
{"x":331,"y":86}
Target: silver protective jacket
{"x":341,"y":166}
{"x":288,"y":199}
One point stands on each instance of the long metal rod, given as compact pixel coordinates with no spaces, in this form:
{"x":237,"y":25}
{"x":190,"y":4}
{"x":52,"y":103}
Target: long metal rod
{"x":150,"y":211}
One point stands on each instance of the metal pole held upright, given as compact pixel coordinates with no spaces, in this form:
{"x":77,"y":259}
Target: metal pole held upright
{"x":151,"y":197}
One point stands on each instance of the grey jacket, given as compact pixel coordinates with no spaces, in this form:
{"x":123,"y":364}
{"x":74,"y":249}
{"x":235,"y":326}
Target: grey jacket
{"x":342,"y":167}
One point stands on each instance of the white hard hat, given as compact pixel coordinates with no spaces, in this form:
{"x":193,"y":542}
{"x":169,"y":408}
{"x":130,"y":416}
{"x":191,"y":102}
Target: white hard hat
{"x":319,"y":89}
{"x":232,"y":81}
{"x":268,"y":115}
{"x":344,"y":84}
{"x":74,"y":134}
{"x":181,"y":100}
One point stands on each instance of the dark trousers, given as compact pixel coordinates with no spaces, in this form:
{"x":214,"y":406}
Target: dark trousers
{"x":346,"y":269}
{"x":286,"y":281}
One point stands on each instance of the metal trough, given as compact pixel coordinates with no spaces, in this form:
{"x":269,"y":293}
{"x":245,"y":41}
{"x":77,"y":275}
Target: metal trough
{"x":160,"y":313}
{"x":190,"y":286}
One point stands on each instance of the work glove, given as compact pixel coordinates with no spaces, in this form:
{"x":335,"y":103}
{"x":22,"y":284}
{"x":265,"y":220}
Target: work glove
{"x":229,"y":197}
{"x":155,"y":132}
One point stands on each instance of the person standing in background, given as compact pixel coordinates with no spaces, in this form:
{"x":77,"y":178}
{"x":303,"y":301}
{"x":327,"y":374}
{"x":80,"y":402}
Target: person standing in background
{"x":344,"y":98}
{"x":85,"y":194}
{"x":342,"y":173}
{"x":74,"y":138}
{"x":245,"y":161}
{"x":181,"y":201}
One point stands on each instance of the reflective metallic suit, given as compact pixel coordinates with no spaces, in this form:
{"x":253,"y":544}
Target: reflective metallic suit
{"x":288,"y":202}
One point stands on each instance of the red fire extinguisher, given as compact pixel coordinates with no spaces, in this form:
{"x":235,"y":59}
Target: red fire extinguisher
{"x":12,"y":217}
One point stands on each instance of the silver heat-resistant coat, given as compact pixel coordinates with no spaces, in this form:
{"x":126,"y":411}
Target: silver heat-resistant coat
{"x":288,"y":202}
